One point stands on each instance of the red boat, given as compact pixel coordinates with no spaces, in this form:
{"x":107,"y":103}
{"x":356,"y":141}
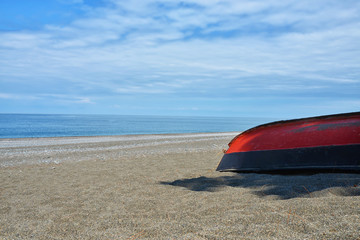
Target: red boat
{"x":324,"y":143}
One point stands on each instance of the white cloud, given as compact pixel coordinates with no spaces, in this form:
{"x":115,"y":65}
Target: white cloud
{"x":137,"y":89}
{"x":159,"y":47}
{"x":68,"y":99}
{"x":23,"y":40}
{"x":9,"y":96}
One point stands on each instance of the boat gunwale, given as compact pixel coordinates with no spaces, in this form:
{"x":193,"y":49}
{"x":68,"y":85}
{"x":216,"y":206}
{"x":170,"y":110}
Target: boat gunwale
{"x":306,"y":119}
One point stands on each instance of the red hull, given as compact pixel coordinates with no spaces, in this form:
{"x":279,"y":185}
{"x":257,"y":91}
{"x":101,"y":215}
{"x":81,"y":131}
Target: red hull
{"x":291,"y":143}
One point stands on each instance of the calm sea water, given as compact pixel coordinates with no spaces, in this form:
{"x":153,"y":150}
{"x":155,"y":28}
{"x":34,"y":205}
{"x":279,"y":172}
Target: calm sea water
{"x":55,"y":125}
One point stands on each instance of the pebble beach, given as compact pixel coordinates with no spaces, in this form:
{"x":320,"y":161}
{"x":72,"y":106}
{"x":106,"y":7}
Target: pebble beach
{"x":162,"y":187}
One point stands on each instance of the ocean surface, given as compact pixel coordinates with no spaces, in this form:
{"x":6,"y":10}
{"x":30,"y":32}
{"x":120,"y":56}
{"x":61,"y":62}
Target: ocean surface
{"x":59,"y":125}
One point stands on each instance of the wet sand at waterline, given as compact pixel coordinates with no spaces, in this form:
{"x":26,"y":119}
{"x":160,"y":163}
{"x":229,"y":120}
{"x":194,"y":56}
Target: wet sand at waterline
{"x":162,"y":187}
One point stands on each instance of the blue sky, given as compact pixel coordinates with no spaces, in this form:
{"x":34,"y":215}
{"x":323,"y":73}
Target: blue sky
{"x":272,"y":58}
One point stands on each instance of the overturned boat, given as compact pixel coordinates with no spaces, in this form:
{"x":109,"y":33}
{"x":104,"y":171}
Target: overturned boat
{"x":324,"y":143}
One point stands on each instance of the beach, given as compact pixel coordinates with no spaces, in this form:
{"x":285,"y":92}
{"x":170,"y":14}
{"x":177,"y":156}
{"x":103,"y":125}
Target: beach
{"x":162,"y":187}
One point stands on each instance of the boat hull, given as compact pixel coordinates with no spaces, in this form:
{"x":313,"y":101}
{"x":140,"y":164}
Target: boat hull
{"x":326,"y":143}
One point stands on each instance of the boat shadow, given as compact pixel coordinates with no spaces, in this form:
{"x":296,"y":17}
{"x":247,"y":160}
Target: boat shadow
{"x":282,"y":186}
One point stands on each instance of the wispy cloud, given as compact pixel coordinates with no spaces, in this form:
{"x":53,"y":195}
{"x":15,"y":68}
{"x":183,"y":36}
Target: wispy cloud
{"x":198,"y":47}
{"x":17,"y":97}
{"x":46,"y":97}
{"x":135,"y":89}
{"x":62,"y":98}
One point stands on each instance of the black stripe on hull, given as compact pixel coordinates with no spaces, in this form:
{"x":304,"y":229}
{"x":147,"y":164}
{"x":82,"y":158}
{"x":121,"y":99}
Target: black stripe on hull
{"x":344,"y":158}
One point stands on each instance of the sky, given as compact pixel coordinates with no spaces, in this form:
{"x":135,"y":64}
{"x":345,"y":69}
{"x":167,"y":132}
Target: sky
{"x":268,"y":58}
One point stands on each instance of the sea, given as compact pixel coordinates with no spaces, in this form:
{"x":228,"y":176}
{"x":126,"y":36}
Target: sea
{"x":67,"y":125}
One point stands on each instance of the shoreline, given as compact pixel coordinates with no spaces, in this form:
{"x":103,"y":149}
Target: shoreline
{"x":119,"y":135}
{"x":127,"y":136}
{"x":163,"y":187}
{"x":58,"y":149}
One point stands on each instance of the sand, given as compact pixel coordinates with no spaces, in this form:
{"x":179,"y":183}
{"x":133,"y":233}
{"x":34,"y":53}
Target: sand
{"x":162,"y":187}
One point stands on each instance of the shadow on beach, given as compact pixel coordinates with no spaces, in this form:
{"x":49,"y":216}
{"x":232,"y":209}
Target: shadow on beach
{"x":283,"y":186}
